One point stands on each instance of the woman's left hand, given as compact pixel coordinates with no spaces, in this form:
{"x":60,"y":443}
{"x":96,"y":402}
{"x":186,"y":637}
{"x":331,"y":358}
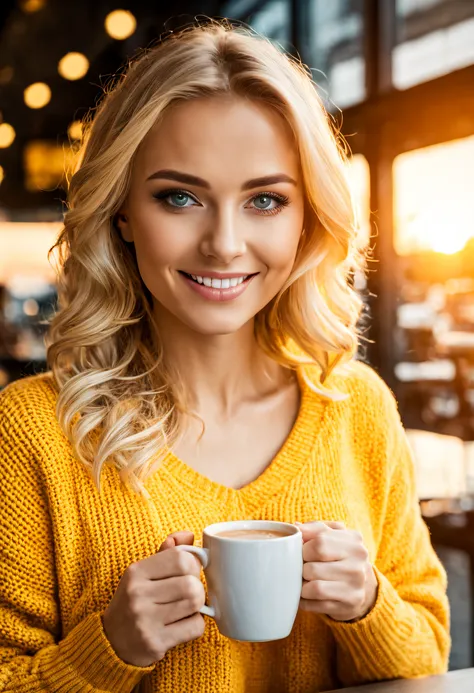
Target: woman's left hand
{"x":338,"y":578}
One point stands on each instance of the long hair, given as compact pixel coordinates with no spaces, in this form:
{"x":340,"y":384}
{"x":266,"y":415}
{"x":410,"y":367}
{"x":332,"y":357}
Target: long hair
{"x":117,"y":401}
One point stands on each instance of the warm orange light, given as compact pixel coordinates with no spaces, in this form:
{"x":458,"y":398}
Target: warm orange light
{"x":2,"y":174}
{"x":358,"y":172}
{"x":75,"y":130}
{"x":73,"y":66}
{"x":24,"y":249}
{"x":7,"y":135}
{"x":31,"y":6}
{"x":120,"y":24}
{"x":37,"y":95}
{"x":46,"y":164}
{"x":433,"y":200}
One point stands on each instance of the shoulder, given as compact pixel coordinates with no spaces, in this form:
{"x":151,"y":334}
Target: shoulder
{"x":362,"y":382}
{"x":27,"y":407}
{"x":368,"y":405}
{"x":360,"y":386}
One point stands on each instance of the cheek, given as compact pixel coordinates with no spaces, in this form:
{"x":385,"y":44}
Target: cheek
{"x":159,"y":244}
{"x":279,"y":252}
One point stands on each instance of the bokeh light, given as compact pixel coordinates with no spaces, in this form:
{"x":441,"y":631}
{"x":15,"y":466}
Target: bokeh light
{"x":73,"y":66}
{"x":75,"y":130}
{"x":120,"y":24}
{"x":37,"y":95}
{"x":31,"y":6}
{"x":30,"y":307}
{"x":7,"y":135}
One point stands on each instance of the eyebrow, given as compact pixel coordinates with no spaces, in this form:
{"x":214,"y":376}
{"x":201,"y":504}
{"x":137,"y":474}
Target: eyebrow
{"x":169,"y":174}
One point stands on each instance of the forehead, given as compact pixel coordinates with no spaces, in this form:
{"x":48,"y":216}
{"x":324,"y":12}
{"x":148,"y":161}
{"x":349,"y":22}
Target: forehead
{"x":216,"y":137}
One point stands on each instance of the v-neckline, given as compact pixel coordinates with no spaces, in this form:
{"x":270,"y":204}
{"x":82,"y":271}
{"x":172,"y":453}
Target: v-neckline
{"x":284,"y":466}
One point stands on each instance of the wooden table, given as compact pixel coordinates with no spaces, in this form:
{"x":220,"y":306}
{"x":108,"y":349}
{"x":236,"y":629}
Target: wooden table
{"x":454,"y":682}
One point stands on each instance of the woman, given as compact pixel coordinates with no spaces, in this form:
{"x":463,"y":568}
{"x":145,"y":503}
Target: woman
{"x":203,"y":369}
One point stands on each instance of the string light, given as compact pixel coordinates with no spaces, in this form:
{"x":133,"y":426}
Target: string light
{"x":75,"y":130}
{"x":7,"y":135}
{"x":73,"y":66}
{"x":120,"y":24}
{"x":37,"y":95}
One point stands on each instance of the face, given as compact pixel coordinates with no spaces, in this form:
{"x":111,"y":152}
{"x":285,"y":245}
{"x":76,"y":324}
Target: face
{"x":197,"y":209}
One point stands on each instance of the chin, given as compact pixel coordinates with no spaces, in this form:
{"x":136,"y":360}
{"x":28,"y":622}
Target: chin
{"x":217,"y":326}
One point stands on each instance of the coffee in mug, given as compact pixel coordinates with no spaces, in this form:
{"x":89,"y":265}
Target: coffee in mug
{"x":252,"y":534}
{"x":254,"y":573}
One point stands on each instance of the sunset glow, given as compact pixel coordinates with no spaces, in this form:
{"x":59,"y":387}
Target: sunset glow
{"x":433,"y":198}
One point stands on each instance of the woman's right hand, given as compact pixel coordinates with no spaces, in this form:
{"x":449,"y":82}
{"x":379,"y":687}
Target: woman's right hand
{"x":156,"y":604}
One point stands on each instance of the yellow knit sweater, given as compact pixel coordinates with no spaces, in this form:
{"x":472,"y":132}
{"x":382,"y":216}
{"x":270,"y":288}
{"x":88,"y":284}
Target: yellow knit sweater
{"x":64,"y":548}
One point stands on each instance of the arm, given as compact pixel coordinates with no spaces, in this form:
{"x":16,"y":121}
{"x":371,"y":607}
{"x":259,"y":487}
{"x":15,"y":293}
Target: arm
{"x":33,"y":657}
{"x":406,"y":634}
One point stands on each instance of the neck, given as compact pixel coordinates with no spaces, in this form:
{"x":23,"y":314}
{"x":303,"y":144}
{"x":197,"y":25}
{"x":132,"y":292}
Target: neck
{"x":219,"y":372}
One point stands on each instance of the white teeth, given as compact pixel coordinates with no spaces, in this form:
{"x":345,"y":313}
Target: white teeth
{"x":219,"y":283}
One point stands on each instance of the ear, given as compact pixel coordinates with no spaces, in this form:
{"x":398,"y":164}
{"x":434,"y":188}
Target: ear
{"x":123,"y":225}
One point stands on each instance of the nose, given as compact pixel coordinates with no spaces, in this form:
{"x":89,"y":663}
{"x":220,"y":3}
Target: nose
{"x":224,"y":239}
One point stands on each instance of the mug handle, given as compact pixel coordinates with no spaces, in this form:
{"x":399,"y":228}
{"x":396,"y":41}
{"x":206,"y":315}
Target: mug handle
{"x":203,"y":555}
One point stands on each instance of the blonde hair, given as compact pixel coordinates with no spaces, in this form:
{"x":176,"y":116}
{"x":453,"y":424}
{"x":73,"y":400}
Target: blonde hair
{"x":117,"y":401}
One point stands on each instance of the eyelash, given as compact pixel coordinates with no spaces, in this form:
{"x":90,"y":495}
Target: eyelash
{"x":282,"y":199}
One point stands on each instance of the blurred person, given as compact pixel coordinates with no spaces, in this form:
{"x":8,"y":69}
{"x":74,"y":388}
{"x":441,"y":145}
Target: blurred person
{"x":203,"y":368}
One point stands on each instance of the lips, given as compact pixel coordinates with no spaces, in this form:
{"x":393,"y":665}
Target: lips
{"x":213,"y":293}
{"x":217,"y":282}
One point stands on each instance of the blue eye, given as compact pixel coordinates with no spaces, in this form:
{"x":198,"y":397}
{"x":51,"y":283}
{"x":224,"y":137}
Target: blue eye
{"x":282,"y":201}
{"x":180,"y":196}
{"x":267,"y":199}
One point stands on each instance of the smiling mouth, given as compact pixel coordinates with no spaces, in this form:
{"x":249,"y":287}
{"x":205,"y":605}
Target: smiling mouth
{"x":214,"y":283}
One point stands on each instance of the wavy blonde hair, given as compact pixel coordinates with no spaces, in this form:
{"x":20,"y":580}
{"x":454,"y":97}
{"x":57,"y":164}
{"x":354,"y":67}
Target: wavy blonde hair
{"x":117,"y":401}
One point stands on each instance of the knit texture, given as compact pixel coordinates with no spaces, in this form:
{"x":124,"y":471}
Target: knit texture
{"x":64,"y":547}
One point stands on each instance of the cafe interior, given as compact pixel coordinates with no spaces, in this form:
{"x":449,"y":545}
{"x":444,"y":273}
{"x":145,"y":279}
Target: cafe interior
{"x":397,"y":77}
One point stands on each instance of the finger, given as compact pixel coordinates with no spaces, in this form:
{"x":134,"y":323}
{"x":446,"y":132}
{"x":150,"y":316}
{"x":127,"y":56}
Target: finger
{"x":327,"y":590}
{"x":177,"y":539}
{"x":336,"y":525}
{"x":329,"y":570}
{"x":172,"y":589}
{"x":176,"y":611}
{"x":327,"y":547}
{"x":167,"y":544}
{"x":311,"y":530}
{"x":166,"y":564}
{"x":183,"y":631}
{"x":330,"y":608}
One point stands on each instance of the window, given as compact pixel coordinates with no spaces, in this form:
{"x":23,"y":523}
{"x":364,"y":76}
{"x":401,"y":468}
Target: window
{"x":433,"y":38}
{"x":433,"y":201}
{"x":332,"y":44}
{"x":274,"y":21}
{"x":271,"y":19}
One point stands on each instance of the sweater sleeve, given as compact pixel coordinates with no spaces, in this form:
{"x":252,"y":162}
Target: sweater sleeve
{"x":406,"y":634}
{"x":33,"y":656}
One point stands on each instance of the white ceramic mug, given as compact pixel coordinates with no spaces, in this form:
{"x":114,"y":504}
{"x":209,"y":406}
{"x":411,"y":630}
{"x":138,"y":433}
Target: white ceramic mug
{"x":254,"y":584}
